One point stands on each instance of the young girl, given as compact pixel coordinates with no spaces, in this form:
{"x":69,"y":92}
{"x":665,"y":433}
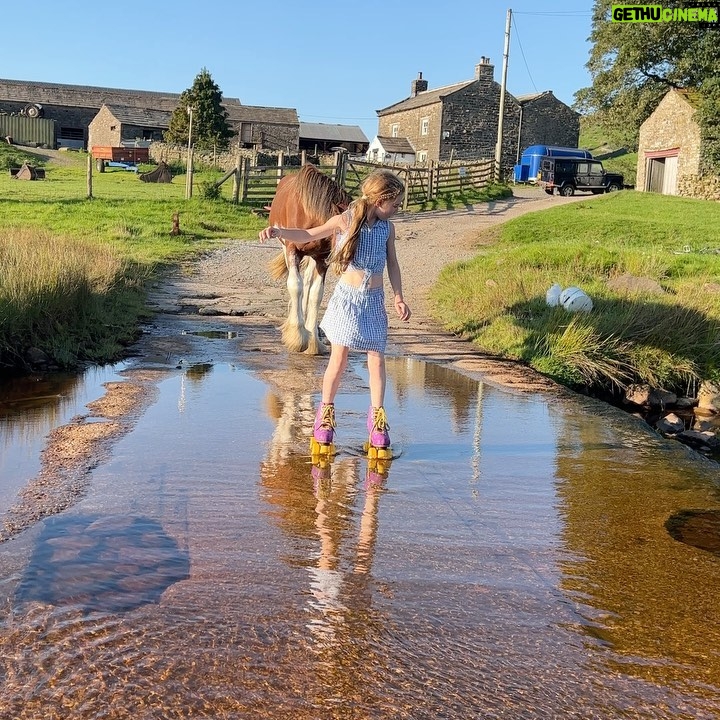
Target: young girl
{"x":355,"y":317}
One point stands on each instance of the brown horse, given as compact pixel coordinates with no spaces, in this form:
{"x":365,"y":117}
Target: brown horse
{"x":304,"y":200}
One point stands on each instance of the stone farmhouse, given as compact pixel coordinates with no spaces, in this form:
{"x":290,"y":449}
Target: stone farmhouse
{"x":460,"y":121}
{"x":670,"y":150}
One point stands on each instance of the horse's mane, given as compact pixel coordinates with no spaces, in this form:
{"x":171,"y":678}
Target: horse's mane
{"x":320,"y":195}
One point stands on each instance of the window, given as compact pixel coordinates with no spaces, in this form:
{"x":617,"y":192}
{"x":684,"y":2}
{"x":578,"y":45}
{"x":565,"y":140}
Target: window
{"x":424,"y":125}
{"x":422,"y":157}
{"x":394,"y":130}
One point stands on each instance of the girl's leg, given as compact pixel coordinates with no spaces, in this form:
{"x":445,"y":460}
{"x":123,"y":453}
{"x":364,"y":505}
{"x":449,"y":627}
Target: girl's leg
{"x":377,"y":420}
{"x":333,"y":373}
{"x":376,"y":371}
{"x":324,"y":427}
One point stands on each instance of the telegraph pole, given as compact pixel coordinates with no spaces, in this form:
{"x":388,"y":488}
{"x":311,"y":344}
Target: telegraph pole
{"x":503,"y":83}
{"x":188,"y":176}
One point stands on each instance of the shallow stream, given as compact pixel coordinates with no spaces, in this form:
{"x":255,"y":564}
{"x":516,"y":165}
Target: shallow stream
{"x":524,"y":557}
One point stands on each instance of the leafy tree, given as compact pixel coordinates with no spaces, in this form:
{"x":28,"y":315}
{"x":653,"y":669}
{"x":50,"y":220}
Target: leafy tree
{"x":633,"y":65}
{"x":210,"y":127}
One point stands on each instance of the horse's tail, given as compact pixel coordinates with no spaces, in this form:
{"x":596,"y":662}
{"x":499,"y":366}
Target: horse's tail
{"x":277,"y":267}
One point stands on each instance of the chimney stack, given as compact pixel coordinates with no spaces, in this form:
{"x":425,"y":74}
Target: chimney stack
{"x":418,"y":86}
{"x":484,"y":70}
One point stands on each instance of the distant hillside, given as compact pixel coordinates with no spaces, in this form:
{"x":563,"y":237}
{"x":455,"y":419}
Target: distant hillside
{"x":614,"y":158}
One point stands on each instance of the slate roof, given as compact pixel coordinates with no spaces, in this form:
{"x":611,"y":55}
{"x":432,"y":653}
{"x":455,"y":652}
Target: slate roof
{"x":259,"y":114}
{"x":88,"y":96}
{"x":522,"y":99}
{"x":396,"y":145}
{"x":336,"y":133}
{"x":140,"y":116}
{"x":428,"y":97}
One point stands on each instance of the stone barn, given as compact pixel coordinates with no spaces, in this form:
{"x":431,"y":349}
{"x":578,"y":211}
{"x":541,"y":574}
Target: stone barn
{"x":670,"y":150}
{"x":545,"y":120}
{"x":74,"y":107}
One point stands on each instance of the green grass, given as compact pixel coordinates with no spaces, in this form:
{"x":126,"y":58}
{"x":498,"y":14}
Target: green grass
{"x":672,"y":339}
{"x":50,"y":299}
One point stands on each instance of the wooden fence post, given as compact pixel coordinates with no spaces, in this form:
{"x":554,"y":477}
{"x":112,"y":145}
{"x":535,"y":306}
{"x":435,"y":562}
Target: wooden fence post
{"x":89,"y":176}
{"x":303,"y":157}
{"x":407,"y":188}
{"x":236,"y":180}
{"x":281,"y":160}
{"x":244,"y":179}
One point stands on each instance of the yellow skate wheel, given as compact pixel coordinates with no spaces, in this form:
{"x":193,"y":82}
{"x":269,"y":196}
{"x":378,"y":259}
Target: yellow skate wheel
{"x":372,"y":451}
{"x":384,"y":453}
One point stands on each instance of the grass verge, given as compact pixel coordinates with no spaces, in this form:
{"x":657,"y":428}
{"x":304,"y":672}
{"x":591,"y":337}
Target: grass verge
{"x":651,"y":265}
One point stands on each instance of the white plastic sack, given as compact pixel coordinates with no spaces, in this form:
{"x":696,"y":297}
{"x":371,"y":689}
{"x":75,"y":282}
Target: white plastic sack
{"x":573,"y":299}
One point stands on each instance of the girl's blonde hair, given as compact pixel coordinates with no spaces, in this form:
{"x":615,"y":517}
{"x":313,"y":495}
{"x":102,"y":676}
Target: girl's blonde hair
{"x":379,"y":186}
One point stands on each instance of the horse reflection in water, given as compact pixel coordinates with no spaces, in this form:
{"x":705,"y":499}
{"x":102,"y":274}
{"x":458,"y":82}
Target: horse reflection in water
{"x":331,"y":516}
{"x":304,"y":200}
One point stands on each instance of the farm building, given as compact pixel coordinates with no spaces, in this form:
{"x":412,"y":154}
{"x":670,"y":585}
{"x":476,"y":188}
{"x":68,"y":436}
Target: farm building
{"x":545,"y":120}
{"x":670,"y":150}
{"x":460,"y":121}
{"x":391,"y":150}
{"x":74,"y":107}
{"x":323,"y":137}
{"x":122,"y":126}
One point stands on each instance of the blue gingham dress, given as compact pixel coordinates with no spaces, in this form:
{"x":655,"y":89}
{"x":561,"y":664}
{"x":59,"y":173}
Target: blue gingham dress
{"x":356,"y":316}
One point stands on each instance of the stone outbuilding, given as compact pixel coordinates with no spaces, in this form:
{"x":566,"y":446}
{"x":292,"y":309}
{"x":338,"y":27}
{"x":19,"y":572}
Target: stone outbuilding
{"x":545,"y":120}
{"x":460,"y":121}
{"x":670,"y":150}
{"x":122,"y":126}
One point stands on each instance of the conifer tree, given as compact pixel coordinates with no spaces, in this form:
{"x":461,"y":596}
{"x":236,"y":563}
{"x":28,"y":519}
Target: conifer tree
{"x":210,"y":129}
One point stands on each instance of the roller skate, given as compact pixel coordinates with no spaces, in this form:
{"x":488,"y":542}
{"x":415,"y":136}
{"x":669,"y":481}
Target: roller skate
{"x":378,"y":445}
{"x":322,"y":448}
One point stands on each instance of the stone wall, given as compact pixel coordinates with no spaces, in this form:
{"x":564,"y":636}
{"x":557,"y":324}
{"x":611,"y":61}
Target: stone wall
{"x":470,"y":117}
{"x":702,"y":187}
{"x":548,"y":121}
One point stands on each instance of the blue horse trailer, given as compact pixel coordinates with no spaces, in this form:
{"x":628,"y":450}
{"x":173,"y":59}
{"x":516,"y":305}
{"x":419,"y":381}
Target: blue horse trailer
{"x":528,"y":168}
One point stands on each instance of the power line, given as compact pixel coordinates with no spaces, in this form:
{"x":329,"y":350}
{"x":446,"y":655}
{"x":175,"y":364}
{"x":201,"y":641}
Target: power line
{"x":522,"y":52}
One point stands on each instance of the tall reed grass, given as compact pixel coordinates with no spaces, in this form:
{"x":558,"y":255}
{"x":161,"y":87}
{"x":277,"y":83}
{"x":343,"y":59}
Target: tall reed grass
{"x":73,"y":300}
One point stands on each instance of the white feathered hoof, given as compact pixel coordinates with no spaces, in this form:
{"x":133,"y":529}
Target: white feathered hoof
{"x":295,"y":338}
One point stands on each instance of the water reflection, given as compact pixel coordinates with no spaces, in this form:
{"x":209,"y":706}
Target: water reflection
{"x":34,"y":405}
{"x":648,"y":596}
{"x":330,"y":515}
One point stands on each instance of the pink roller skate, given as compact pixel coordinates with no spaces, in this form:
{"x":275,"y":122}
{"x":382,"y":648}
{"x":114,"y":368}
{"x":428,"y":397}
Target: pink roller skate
{"x":321,"y":443}
{"x":378,"y":445}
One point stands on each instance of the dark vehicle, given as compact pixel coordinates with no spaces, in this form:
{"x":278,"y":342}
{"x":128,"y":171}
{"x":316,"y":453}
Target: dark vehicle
{"x":571,"y":175}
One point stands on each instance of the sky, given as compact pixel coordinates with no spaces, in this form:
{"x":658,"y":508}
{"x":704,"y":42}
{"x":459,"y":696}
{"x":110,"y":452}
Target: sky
{"x":332,"y":62}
